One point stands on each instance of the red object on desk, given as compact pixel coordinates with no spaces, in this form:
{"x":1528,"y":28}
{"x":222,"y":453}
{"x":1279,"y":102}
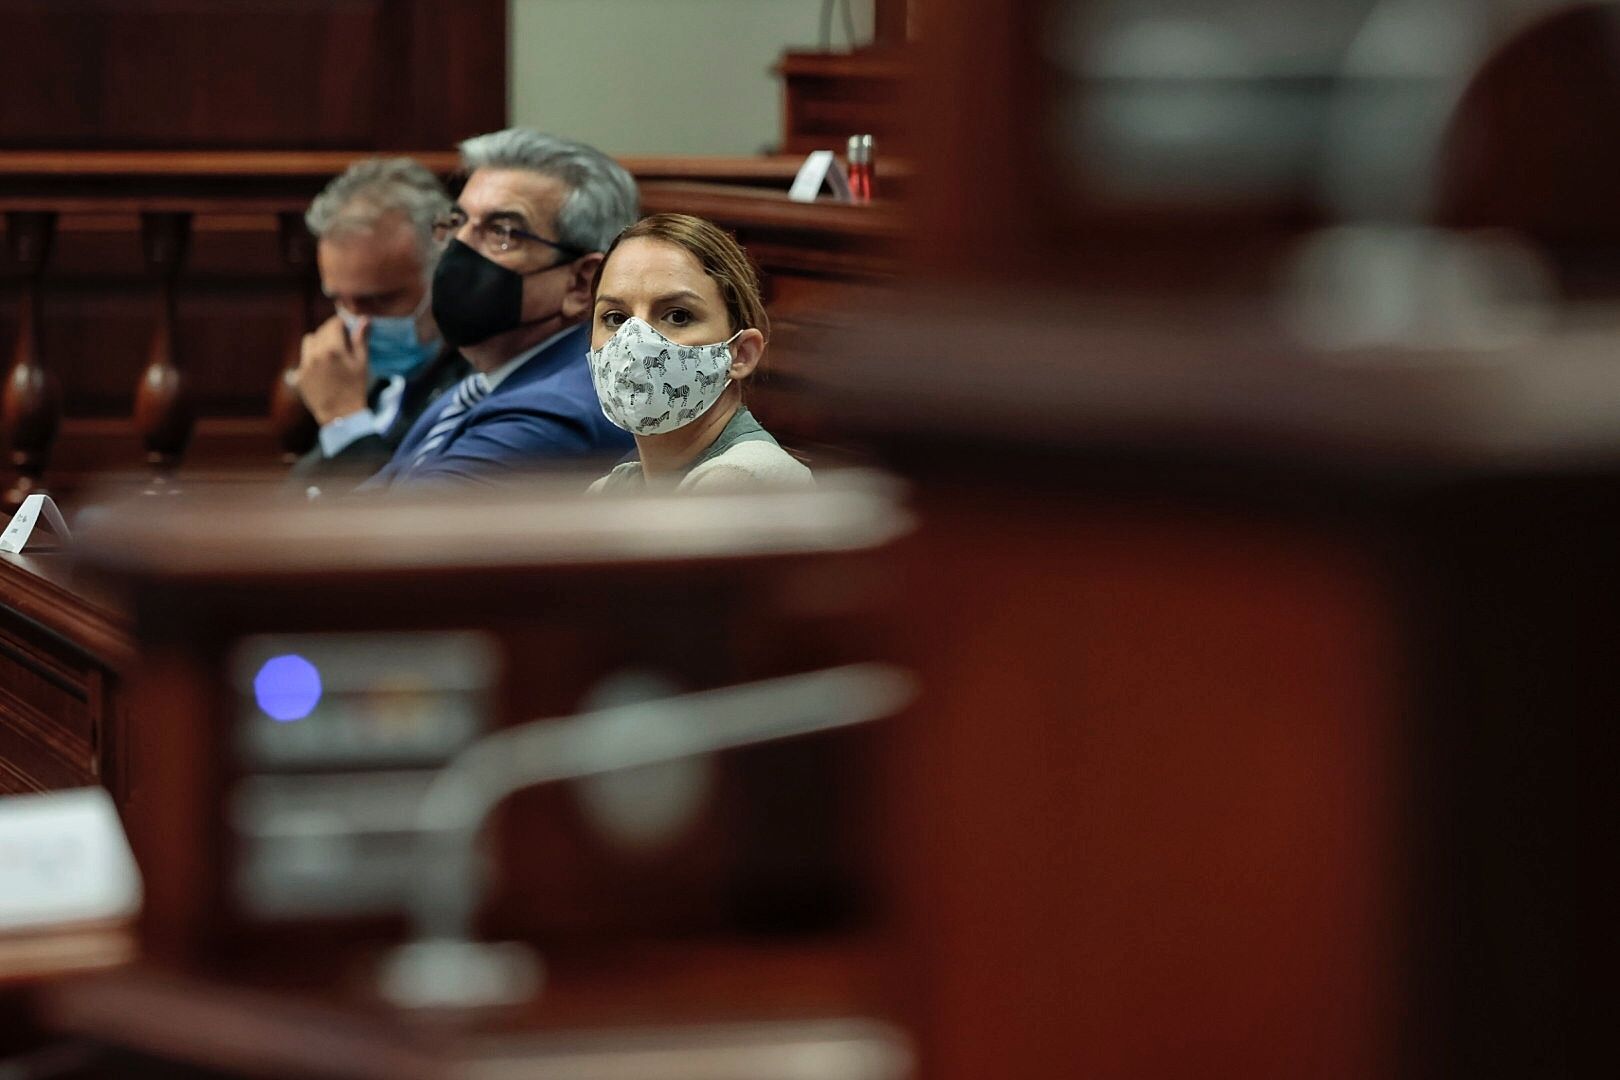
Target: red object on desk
{"x":861,"y":185}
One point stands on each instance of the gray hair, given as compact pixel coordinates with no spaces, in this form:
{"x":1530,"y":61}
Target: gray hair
{"x":369,"y":190}
{"x":602,"y":199}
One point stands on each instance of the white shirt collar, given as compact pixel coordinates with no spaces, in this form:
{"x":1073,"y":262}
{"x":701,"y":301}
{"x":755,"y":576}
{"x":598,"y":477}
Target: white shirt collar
{"x":499,"y":375}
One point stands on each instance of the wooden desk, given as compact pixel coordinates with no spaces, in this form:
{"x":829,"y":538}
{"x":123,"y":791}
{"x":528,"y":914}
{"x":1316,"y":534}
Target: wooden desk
{"x":64,"y":653}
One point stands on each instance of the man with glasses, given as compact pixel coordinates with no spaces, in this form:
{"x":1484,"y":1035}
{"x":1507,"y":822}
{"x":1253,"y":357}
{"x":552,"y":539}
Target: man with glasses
{"x":512,"y":292}
{"x":371,"y":369}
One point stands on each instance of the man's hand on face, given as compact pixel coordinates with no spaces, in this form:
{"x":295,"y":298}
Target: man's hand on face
{"x":333,"y":370}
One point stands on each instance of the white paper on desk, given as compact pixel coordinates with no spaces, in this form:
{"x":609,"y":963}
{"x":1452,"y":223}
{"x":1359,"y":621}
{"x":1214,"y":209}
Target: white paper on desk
{"x":819,"y":168}
{"x":64,"y":859}
{"x":27,"y":515}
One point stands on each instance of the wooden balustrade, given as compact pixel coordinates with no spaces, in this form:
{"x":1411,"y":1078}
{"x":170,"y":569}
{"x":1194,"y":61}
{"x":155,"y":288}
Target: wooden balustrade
{"x":32,"y":407}
{"x":164,"y":326}
{"x":162,"y":411}
{"x":293,"y":424}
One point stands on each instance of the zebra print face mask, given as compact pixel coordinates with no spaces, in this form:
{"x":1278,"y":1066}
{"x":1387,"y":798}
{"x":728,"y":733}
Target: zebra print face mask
{"x":648,"y":384}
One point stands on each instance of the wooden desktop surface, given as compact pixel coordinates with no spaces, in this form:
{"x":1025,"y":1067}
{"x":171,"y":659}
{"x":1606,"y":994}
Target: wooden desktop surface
{"x":671,"y":995}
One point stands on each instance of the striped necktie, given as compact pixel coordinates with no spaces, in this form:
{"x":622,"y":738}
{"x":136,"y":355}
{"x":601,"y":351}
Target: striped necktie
{"x":469,"y":392}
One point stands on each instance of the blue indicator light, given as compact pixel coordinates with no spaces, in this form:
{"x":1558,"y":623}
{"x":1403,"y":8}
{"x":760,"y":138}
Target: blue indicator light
{"x":287,"y":687}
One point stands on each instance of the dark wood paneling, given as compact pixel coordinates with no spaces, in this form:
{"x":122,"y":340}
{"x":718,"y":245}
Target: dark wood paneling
{"x":780,"y":847}
{"x":372,"y":74}
{"x":464,"y":46}
{"x":827,"y":97}
{"x":891,"y":21}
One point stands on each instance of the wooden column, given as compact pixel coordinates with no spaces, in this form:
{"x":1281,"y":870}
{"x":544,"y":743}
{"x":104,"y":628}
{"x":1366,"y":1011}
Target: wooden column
{"x":31,"y":405}
{"x":292,"y":423}
{"x":162,"y":410}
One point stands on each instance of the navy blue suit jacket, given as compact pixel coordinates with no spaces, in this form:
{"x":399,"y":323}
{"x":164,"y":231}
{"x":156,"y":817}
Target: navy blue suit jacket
{"x":546,"y":409}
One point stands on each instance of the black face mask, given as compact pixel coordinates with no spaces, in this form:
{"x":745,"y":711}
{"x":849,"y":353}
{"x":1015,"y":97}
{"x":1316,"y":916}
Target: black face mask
{"x":475,"y":298}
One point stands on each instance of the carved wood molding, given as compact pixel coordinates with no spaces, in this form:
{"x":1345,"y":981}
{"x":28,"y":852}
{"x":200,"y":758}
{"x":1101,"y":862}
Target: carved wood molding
{"x":40,"y":589}
{"x":67,"y":171}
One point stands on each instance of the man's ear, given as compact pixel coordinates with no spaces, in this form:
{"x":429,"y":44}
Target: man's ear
{"x":746,"y":353}
{"x":581,"y":278}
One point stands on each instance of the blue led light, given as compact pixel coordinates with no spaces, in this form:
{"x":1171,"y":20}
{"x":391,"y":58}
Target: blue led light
{"x":287,"y":687}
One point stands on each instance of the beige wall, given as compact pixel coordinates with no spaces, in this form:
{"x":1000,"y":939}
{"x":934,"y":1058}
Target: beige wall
{"x":660,"y":76}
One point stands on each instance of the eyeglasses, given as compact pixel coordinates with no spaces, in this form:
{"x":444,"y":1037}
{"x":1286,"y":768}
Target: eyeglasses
{"x":500,"y":235}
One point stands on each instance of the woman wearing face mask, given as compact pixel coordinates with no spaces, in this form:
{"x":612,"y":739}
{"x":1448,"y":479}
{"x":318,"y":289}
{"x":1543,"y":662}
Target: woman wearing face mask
{"x":678,"y":327}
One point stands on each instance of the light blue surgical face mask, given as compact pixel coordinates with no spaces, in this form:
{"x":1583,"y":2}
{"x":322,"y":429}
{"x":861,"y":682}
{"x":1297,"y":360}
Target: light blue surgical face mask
{"x":392,"y":344}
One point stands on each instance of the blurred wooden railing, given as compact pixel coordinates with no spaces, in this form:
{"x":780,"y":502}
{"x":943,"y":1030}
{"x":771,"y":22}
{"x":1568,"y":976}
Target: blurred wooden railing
{"x":160,"y":297}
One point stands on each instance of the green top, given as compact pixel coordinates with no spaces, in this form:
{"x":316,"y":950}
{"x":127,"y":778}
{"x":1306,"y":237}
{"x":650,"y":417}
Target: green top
{"x":741,"y":428}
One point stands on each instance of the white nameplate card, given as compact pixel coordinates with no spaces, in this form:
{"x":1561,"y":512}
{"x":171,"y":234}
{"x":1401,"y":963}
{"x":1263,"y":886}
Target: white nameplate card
{"x":818,"y":169}
{"x":64,"y":860}
{"x":27,"y":516}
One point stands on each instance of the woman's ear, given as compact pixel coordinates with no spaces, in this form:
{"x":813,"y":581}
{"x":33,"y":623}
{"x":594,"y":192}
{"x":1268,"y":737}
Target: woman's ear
{"x":577,"y":299}
{"x":746,"y":353}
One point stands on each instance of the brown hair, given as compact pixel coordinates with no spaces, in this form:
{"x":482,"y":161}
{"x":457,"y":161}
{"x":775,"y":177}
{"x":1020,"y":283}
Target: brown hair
{"x":717,"y":252}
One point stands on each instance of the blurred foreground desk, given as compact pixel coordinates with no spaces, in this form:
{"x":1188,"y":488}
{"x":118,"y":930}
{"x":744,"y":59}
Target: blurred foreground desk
{"x":307,"y":677}
{"x":1265,"y":719}
{"x":653,"y":1016}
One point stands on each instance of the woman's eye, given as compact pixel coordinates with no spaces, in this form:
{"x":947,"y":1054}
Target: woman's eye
{"x":679,"y":316}
{"x":612,"y":318}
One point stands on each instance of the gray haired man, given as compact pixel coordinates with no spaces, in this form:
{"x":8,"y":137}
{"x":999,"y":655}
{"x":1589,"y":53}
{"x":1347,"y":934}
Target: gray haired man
{"x":369,"y":371}
{"x":512,"y":292}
